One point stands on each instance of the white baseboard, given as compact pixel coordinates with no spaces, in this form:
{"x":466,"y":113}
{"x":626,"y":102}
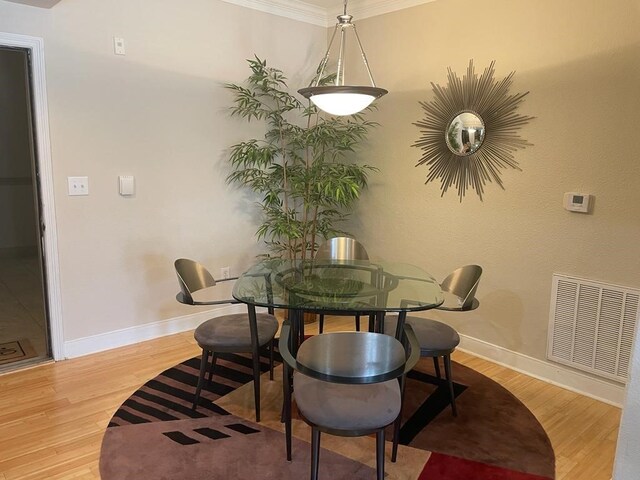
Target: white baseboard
{"x":141,"y":333}
{"x":559,"y":375}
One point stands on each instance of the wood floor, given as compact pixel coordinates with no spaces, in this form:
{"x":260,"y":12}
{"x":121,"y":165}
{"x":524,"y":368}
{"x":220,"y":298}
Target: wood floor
{"x":52,"y":417}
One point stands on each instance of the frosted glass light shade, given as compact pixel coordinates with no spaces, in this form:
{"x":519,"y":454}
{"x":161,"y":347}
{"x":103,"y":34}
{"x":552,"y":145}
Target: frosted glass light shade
{"x":343,"y":99}
{"x":342,"y":103}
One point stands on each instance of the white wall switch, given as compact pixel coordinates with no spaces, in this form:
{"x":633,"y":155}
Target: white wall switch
{"x":127,"y":185}
{"x":78,"y":185}
{"x":118,"y":46}
{"x":577,"y":202}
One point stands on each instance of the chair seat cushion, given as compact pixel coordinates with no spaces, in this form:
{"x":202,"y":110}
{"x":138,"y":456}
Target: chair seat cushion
{"x":232,"y":332}
{"x":436,"y":339}
{"x":339,"y":406}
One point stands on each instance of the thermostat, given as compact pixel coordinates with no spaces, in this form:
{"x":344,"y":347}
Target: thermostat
{"x":577,"y":202}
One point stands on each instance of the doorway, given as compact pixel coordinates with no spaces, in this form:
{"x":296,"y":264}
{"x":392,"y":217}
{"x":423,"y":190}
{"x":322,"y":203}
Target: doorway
{"x":24,"y":325}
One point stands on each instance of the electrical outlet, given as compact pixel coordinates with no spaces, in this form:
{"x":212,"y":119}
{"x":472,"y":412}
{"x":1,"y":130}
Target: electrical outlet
{"x":78,"y":185}
{"x":225,"y":272}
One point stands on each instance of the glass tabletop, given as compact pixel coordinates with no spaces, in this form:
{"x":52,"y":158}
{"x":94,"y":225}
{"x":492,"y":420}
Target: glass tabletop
{"x":342,"y":286}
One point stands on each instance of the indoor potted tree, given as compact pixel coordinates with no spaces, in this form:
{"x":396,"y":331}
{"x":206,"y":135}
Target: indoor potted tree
{"x":305,"y":180}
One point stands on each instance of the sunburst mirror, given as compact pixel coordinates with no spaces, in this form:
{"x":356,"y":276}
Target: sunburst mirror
{"x":470,"y":131}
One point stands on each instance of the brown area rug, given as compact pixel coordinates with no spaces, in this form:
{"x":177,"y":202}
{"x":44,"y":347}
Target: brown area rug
{"x":492,"y":425}
{"x":16,"y":350}
{"x":156,"y":435}
{"x":219,"y":447}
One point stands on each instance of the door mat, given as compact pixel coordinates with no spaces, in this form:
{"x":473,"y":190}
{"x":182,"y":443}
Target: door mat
{"x":15,"y":351}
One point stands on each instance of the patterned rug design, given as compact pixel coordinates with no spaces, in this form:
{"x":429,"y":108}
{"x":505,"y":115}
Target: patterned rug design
{"x":156,"y":435}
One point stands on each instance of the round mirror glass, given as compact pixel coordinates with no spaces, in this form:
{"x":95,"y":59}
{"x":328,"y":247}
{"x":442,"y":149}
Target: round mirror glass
{"x":465,"y":133}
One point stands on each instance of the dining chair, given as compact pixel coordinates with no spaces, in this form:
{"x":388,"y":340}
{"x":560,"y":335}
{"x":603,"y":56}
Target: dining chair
{"x":341,"y":249}
{"x":437,"y":339}
{"x":348,"y":384}
{"x":237,"y":333}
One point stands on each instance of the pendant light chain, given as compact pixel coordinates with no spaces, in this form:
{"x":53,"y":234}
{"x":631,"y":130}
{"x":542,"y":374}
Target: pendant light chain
{"x":340,"y":67}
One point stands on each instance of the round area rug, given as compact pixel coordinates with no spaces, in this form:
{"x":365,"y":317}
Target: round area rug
{"x":156,"y":435}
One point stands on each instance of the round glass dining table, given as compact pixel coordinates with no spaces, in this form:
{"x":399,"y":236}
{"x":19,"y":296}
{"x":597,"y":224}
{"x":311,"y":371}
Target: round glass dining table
{"x":338,"y":287}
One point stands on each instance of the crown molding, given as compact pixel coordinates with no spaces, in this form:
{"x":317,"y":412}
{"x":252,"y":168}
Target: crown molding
{"x":325,"y":17}
{"x":297,"y":10}
{"x":301,"y":11}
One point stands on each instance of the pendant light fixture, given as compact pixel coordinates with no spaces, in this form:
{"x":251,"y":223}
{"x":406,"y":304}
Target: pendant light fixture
{"x":341,"y":99}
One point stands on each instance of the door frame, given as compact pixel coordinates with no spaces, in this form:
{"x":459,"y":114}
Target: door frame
{"x":40,"y":113}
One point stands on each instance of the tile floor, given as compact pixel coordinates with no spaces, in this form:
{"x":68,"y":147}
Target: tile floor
{"x":22,"y":307}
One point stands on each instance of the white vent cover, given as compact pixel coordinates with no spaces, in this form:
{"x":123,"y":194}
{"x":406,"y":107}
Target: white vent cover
{"x":592,"y":325}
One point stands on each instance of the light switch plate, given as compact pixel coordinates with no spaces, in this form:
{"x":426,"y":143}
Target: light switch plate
{"x":127,"y":185}
{"x":78,"y":185}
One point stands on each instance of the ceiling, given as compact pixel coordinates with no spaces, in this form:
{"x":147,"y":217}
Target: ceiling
{"x":38,"y":3}
{"x":317,"y":12}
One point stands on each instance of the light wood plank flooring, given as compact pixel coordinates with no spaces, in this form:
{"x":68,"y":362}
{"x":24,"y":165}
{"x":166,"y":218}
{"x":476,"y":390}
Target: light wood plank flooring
{"x":52,"y":417}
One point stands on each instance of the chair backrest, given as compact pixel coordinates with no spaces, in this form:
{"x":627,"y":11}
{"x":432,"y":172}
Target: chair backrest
{"x":346,"y":357}
{"x":192,"y":277}
{"x":463,"y":283}
{"x":342,"y":248}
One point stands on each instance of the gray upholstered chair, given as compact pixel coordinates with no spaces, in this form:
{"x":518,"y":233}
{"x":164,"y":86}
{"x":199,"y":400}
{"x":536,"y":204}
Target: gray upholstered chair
{"x":348,"y":384}
{"x":437,"y":339}
{"x":237,"y":333}
{"x":341,"y":249}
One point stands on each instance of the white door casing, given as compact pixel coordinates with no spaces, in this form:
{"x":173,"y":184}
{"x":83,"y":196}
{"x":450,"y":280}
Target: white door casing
{"x":35,"y":45}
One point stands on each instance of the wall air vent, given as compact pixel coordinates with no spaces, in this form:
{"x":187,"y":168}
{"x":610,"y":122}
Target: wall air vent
{"x":592,"y":326}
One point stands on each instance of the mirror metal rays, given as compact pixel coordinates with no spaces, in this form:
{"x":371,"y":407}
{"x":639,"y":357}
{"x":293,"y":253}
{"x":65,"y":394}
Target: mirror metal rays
{"x":470,"y":131}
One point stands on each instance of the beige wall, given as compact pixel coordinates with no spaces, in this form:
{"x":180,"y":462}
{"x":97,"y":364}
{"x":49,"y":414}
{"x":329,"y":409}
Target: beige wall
{"x":581,"y":63}
{"x":158,"y":113}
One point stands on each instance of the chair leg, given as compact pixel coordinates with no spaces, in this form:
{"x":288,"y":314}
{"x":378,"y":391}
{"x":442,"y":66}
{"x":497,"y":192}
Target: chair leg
{"x":204,"y":361}
{"x":321,"y":323}
{"x":380,"y":454}
{"x":256,"y":382}
{"x":315,"y":452}
{"x":397,"y":424}
{"x":212,"y":365}
{"x":357,"y":323}
{"x":436,"y":365}
{"x":396,"y":438}
{"x":447,"y":373}
{"x":272,"y":345}
{"x":286,"y":408}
